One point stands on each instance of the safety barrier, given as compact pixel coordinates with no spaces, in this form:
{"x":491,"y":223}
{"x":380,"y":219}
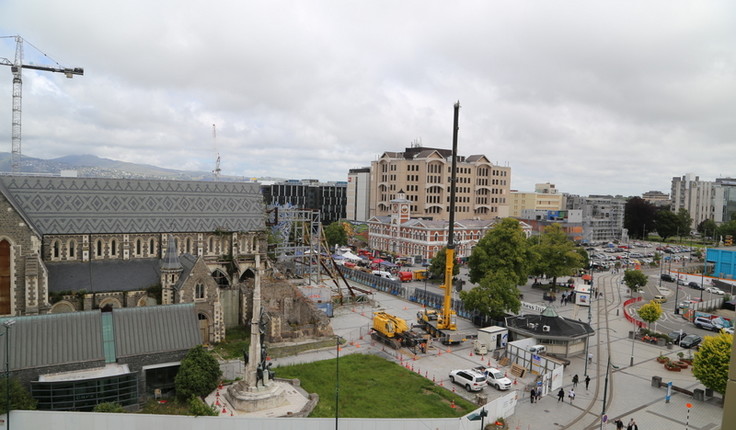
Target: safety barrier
{"x":627,"y":303}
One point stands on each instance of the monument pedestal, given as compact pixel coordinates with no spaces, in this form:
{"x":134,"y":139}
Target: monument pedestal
{"x":251,"y":399}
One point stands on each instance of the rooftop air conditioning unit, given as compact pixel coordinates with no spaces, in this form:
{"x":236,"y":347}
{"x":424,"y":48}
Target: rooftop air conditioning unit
{"x":545,"y":328}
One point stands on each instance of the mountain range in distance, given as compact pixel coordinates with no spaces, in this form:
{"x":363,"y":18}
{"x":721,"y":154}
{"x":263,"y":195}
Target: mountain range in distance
{"x":91,"y":166}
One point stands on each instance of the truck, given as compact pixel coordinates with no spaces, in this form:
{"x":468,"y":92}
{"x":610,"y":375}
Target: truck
{"x":393,"y":331}
{"x":406,"y":276}
{"x":429,"y":320}
{"x":490,"y":339}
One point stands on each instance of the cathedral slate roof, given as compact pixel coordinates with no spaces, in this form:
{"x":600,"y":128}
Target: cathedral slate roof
{"x":54,"y":205}
{"x":105,"y":275}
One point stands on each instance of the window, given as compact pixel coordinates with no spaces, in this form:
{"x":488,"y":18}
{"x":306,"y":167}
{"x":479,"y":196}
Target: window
{"x":138,"y":247}
{"x":151,"y":249}
{"x":189,"y":246}
{"x":113,"y":247}
{"x":199,"y":291}
{"x":72,"y":248}
{"x":56,"y":249}
{"x":98,"y":248}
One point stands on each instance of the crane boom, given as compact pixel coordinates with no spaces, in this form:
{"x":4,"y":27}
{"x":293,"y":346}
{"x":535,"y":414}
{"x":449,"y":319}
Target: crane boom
{"x":16,"y":67}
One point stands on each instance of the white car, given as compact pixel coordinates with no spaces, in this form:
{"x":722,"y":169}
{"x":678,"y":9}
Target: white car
{"x":728,"y":330}
{"x":496,"y":378}
{"x":470,"y":379}
{"x":714,"y":290}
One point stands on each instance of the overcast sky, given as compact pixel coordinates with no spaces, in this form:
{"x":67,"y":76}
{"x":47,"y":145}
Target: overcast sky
{"x":597,"y":97}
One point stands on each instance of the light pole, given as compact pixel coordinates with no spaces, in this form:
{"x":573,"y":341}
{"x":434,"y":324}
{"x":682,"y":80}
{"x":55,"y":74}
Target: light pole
{"x":337,"y":379}
{"x":633,"y":336}
{"x":7,"y":325}
{"x":605,"y":391}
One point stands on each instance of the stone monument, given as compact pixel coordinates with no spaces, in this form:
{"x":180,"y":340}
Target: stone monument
{"x":257,"y":390}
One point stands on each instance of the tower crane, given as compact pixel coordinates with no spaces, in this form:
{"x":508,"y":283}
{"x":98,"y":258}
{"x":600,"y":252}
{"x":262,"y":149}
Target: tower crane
{"x":16,"y":67}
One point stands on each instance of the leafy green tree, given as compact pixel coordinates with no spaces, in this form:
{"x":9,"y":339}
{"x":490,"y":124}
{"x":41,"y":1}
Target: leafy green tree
{"x":711,"y":361}
{"x":684,"y":222}
{"x":495,"y":295}
{"x":667,"y":224}
{"x":335,"y":234}
{"x":583,"y":253}
{"x":111,"y":407}
{"x":198,"y":408}
{"x":639,"y":216}
{"x":198,"y":374}
{"x":635,"y":280}
{"x":20,"y":398}
{"x":707,"y":228}
{"x":727,"y":228}
{"x":437,"y":266}
{"x":555,"y":255}
{"x":650,"y":312}
{"x":504,"y":247}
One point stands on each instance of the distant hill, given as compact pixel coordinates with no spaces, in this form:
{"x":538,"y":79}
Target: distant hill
{"x":96,"y":167}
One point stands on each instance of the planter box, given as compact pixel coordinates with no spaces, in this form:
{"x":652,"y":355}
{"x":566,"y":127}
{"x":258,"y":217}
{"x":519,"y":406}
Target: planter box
{"x":673,"y":368}
{"x":662,"y":359}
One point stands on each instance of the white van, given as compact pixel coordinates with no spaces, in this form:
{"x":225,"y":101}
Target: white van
{"x":537,"y":349}
{"x":386,"y":275}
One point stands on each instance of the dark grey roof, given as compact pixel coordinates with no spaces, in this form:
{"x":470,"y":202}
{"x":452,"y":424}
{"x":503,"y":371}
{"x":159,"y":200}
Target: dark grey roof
{"x":76,"y":337}
{"x":101,"y":276}
{"x":95,"y":205}
{"x":171,"y":259}
{"x":154,"y":329}
{"x":559,"y":327}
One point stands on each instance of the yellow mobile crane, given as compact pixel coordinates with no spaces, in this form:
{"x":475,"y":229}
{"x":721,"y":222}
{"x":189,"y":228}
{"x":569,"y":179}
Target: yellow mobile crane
{"x":442,"y":324}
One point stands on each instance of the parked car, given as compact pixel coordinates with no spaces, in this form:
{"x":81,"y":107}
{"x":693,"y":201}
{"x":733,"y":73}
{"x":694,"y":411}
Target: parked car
{"x":659,"y":299}
{"x":728,"y":330}
{"x":677,"y":336}
{"x":470,"y":379}
{"x":691,"y":341}
{"x":707,"y":324}
{"x":667,"y":277}
{"x":714,"y":290}
{"x":695,"y":285}
{"x":497,"y":379}
{"x":681,"y":282}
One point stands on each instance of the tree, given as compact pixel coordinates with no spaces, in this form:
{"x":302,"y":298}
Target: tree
{"x":20,"y":398}
{"x":711,"y":361}
{"x":727,"y":228}
{"x":111,"y":407}
{"x":639,"y":217}
{"x":635,"y":280}
{"x":555,"y":255}
{"x":437,"y":266}
{"x":684,"y":222}
{"x":504,"y":247}
{"x":707,"y":228}
{"x":335,"y":234}
{"x":199,"y":374}
{"x":495,"y":295}
{"x":650,"y":312}
{"x":667,"y":224}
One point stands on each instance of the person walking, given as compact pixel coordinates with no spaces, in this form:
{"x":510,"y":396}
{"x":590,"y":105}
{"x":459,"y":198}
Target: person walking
{"x":619,"y":424}
{"x":632,"y":425}
{"x":575,"y":381}
{"x":533,"y":395}
{"x":560,"y":395}
{"x":571,"y":395}
{"x":587,"y":382}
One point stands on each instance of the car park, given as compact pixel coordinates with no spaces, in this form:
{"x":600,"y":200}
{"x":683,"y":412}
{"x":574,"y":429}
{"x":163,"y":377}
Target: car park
{"x":706,"y":324}
{"x":691,"y":341}
{"x":677,"y":336}
{"x":470,"y":379}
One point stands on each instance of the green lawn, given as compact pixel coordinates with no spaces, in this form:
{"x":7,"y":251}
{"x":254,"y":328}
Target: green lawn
{"x":371,"y":387}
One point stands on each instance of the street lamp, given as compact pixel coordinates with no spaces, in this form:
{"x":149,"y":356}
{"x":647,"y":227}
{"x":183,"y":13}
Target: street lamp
{"x":605,"y":391}
{"x":7,"y":325}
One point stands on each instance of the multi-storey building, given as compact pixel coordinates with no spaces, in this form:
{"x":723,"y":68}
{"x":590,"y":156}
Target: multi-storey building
{"x":657,"y":198}
{"x":571,"y":221}
{"x":329,"y":198}
{"x":401,"y":234}
{"x":724,"y":200}
{"x":358,"y":194}
{"x":545,"y":197}
{"x":695,"y":196}
{"x":602,"y":217}
{"x":424,"y":174}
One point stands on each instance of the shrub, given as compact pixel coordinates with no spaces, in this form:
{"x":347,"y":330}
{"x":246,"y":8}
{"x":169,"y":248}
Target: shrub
{"x":109,"y":407}
{"x":198,"y":374}
{"x":199,"y":408}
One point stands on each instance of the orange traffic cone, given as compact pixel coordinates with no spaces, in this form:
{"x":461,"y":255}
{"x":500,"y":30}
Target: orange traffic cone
{"x":471,"y":352}
{"x":452,"y":405}
{"x":224,"y":411}
{"x":514,"y":381}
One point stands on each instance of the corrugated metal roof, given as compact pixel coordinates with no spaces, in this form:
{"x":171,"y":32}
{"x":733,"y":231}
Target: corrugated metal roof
{"x":96,"y":205}
{"x":46,"y":340}
{"x":56,"y":339}
{"x":147,"y":330}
